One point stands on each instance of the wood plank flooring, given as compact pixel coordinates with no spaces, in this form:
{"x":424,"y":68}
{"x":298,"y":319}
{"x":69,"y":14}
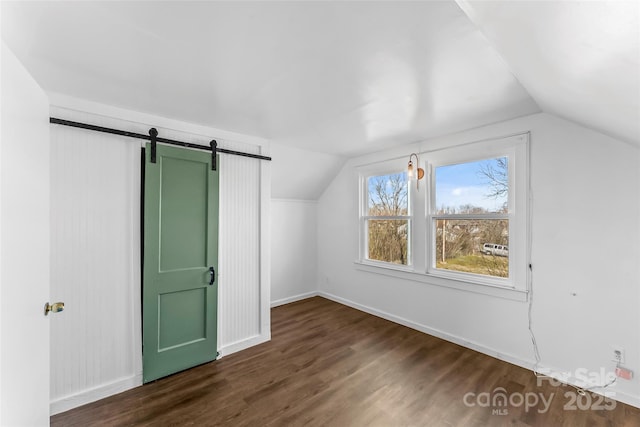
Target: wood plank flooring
{"x":331,"y":365}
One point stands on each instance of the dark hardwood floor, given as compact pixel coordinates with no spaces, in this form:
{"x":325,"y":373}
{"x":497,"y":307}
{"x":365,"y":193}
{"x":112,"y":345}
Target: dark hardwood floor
{"x":331,"y":365}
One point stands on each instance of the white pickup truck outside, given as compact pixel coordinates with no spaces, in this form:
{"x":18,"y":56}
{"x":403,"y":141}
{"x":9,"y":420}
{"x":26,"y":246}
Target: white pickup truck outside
{"x":495,"y":249}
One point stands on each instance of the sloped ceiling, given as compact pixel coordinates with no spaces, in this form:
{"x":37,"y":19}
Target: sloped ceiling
{"x":578,"y":59}
{"x":340,"y":77}
{"x":301,"y":174}
{"x":343,"y":78}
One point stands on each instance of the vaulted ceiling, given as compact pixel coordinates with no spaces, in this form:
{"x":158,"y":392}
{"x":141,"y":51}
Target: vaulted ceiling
{"x":340,"y":77}
{"x":578,"y":59}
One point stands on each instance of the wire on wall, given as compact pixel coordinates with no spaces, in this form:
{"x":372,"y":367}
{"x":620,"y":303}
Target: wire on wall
{"x":536,"y":351}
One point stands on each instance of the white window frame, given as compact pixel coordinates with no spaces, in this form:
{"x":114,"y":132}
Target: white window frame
{"x":381,"y":169}
{"x":421,"y":245}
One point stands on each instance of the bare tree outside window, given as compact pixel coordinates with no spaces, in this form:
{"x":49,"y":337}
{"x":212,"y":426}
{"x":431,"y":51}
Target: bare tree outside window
{"x":496,"y":175}
{"x":387,"y":218}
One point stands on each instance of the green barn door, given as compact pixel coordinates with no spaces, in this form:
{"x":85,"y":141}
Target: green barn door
{"x":179,"y":290}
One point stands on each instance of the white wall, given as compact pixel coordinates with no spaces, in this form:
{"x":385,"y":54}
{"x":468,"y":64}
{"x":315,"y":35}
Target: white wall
{"x":294,"y":254}
{"x":585,"y":219}
{"x":24,"y":245}
{"x":95,"y":181}
{"x":298,"y":178}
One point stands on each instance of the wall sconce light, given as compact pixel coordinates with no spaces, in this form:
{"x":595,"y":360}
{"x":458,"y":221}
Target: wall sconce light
{"x":415,"y":173}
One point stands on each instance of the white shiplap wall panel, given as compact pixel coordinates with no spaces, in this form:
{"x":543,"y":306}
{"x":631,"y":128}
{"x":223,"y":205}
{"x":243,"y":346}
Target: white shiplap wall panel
{"x":239,"y":286}
{"x":94,"y":259}
{"x":95,"y":221}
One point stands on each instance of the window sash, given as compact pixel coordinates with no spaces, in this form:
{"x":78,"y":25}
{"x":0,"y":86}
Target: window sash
{"x":386,"y":168}
{"x":432,"y":217}
{"x":432,"y":251}
{"x":365,"y":231}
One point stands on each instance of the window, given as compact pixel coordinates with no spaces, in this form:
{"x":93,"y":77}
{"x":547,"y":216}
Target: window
{"x":466,"y":225}
{"x":385,"y":218}
{"x":470,"y":217}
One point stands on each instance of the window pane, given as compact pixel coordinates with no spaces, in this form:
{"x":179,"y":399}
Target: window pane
{"x":388,"y":240}
{"x":475,"y":187}
{"x":388,"y":195}
{"x":478,"y":246}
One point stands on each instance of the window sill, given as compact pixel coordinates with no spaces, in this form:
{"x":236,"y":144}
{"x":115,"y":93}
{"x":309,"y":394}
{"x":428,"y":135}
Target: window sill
{"x":407,"y":273}
{"x":386,"y":266}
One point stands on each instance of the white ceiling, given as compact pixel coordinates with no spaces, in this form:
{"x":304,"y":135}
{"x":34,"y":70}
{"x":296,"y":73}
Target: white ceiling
{"x":578,"y":60}
{"x":336,"y":77}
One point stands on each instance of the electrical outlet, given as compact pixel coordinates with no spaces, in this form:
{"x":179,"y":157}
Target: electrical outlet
{"x":618,"y":355}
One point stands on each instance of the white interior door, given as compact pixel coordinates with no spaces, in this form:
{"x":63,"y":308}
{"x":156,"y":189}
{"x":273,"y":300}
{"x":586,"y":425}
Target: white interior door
{"x":24,"y":247}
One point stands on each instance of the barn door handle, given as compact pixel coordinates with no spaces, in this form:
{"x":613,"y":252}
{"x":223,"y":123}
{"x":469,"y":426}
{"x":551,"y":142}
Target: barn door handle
{"x":212,"y":272}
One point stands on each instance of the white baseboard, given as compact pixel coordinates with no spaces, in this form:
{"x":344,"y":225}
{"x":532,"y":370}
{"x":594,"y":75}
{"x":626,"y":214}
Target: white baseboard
{"x":91,"y":395}
{"x":87,"y":396}
{"x":245,"y":343}
{"x":620,"y":396}
{"x":294,"y":298}
{"x":431,"y":331}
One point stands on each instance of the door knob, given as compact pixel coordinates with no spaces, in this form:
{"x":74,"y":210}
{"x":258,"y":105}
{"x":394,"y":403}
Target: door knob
{"x":56,"y":307}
